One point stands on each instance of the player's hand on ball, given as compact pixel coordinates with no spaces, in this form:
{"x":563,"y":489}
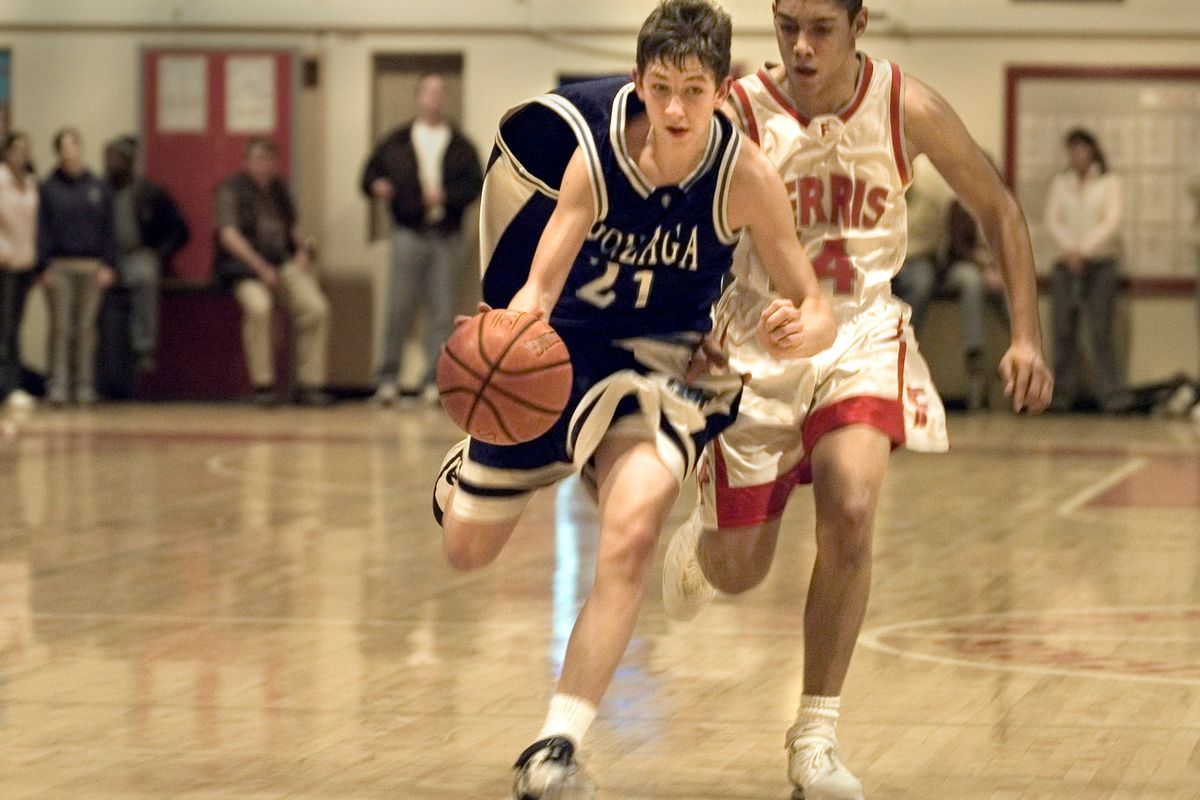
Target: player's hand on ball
{"x":482,"y":308}
{"x":1027,"y":378}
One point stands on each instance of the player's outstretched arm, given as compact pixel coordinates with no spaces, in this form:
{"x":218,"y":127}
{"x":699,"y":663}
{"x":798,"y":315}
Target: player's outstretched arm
{"x":932,"y":127}
{"x":563,"y":236}
{"x":801,"y":324}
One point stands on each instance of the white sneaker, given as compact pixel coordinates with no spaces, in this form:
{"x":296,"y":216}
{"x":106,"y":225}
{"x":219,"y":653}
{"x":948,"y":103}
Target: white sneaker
{"x":547,"y":770}
{"x":20,"y":400}
{"x":431,"y":395}
{"x":818,"y":773}
{"x":386,"y":394}
{"x":685,"y":589}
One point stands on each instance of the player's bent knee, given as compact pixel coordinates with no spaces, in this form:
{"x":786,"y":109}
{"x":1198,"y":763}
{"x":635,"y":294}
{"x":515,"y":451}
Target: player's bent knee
{"x":468,"y":547}
{"x":737,"y":560}
{"x":629,"y":550}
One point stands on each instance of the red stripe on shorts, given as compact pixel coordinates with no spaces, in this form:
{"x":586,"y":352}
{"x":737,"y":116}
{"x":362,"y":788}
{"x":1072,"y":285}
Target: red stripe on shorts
{"x":886,"y":416}
{"x":745,"y":506}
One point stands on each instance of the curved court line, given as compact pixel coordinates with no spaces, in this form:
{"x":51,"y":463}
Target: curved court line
{"x":871,"y":640}
{"x":217,"y":466}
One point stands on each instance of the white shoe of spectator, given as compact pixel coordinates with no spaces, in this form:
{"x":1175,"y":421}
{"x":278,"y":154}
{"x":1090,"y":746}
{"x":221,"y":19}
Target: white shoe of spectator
{"x":20,"y":400}
{"x":386,"y":394}
{"x":430,"y":394}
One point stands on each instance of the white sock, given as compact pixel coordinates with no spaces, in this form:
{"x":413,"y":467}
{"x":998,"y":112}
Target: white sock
{"x":817,"y":716}
{"x":569,"y":717}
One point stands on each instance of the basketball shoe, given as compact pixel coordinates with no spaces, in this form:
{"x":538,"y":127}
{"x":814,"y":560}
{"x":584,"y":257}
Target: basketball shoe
{"x":685,"y":589}
{"x":547,"y":770}
{"x":446,"y":478}
{"x":816,"y":770}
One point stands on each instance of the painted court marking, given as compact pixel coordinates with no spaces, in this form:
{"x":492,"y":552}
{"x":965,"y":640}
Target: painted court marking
{"x":1101,"y":486}
{"x":1040,"y":643}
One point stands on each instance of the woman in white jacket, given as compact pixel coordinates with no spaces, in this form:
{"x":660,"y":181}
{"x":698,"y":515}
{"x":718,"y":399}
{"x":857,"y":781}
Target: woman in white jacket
{"x":1083,"y":214}
{"x":18,"y":258}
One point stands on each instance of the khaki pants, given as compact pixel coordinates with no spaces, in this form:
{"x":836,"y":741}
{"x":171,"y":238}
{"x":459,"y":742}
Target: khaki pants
{"x":309,"y":310}
{"x":74,"y":306}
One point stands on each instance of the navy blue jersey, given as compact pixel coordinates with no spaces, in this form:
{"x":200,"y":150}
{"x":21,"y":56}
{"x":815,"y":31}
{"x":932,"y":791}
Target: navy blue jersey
{"x":653,"y":262}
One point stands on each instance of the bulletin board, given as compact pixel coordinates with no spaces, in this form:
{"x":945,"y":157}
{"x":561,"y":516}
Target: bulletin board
{"x":1147,"y":121}
{"x":6,"y":84}
{"x":199,"y":110}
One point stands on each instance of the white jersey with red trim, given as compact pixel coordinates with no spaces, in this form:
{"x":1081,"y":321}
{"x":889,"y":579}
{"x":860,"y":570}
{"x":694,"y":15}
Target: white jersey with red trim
{"x":846,"y":174}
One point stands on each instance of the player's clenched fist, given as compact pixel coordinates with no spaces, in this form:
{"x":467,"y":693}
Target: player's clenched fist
{"x":786,"y":331}
{"x":1027,"y":379}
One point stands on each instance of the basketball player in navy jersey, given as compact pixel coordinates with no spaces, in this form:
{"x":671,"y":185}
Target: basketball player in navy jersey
{"x":841,"y":129}
{"x":635,"y":194}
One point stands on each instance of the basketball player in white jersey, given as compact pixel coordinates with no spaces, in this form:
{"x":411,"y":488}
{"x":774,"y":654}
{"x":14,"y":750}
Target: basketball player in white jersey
{"x":842,"y":129}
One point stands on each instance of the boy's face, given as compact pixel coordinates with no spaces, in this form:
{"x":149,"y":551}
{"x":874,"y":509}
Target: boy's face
{"x":680,"y":101}
{"x":815,"y":39}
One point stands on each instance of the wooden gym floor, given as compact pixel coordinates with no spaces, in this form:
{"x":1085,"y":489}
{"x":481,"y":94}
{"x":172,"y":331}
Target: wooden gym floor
{"x":222,"y":602}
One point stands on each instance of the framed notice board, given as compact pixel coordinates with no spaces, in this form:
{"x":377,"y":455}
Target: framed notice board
{"x":1147,"y":121}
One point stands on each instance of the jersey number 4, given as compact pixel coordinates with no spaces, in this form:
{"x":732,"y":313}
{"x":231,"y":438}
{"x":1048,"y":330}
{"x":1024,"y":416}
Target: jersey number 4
{"x":833,"y":263}
{"x":600,"y":292}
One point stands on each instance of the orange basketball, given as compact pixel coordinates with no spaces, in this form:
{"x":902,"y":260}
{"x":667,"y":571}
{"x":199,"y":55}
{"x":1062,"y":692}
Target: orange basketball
{"x":504,"y":377}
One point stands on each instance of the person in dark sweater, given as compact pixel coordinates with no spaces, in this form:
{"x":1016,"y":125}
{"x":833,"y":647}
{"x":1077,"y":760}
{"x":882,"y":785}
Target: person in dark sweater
{"x":428,"y":173}
{"x":150,"y":230}
{"x":77,"y":248}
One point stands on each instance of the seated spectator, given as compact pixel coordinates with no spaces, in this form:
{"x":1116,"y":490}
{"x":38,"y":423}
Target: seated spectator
{"x":18,"y":258}
{"x":150,"y":229}
{"x":262,"y":253}
{"x":928,"y":197}
{"x":77,"y":242}
{"x":975,"y":279}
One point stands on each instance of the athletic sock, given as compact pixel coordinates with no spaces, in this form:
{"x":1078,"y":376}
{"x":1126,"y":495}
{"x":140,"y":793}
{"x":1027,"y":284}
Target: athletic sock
{"x":817,"y":716}
{"x":569,"y":717}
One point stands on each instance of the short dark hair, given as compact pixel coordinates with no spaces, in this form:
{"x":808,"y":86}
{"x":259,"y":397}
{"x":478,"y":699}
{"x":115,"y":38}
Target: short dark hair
{"x":263,"y":143}
{"x":680,"y":29}
{"x":1088,"y":139}
{"x":852,"y":7}
{"x":64,"y":133}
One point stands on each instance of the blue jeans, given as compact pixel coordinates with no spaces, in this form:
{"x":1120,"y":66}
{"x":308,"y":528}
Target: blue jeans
{"x":1091,"y":296}
{"x":139,"y":271}
{"x":424,"y":272}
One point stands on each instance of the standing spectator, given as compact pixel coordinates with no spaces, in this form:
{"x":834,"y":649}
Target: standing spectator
{"x":429,"y":174}
{"x":262,"y":252}
{"x":77,"y":241}
{"x":1083,"y":214}
{"x":18,"y":257}
{"x":927,"y":198}
{"x":974,"y":277}
{"x":150,"y":229}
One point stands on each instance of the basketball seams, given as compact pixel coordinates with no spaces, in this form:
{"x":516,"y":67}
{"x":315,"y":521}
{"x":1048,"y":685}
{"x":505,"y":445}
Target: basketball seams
{"x":485,"y":381}
{"x":516,"y":398}
{"x":532,"y":370}
{"x":457,"y":359}
{"x":499,"y":419}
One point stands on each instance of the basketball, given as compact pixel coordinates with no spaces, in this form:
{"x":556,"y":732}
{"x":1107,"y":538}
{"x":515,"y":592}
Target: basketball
{"x":504,"y":377}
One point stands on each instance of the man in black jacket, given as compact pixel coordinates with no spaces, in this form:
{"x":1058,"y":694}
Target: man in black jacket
{"x":428,"y":173}
{"x":150,"y":229}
